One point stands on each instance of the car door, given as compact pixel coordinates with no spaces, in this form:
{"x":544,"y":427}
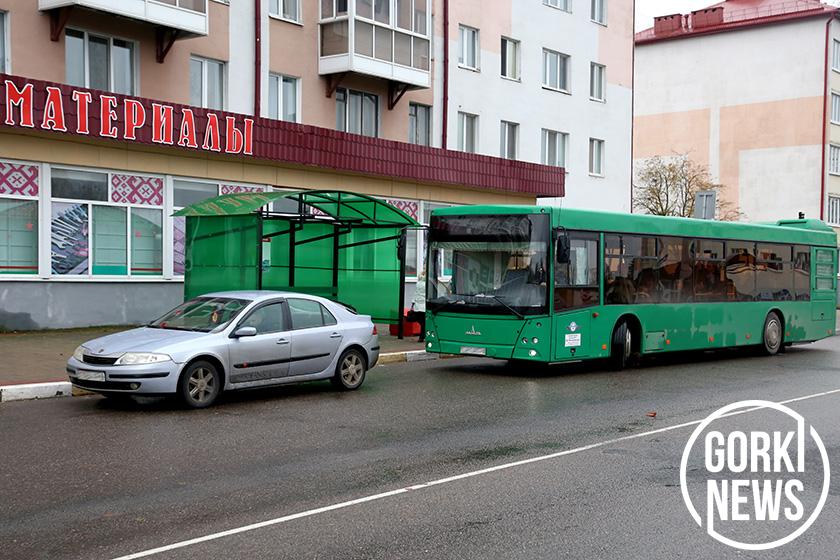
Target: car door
{"x":316,"y":336}
{"x":266,"y":355}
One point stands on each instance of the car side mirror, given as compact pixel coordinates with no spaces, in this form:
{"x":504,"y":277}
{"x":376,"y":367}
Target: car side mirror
{"x":563,"y":248}
{"x":242,"y":332}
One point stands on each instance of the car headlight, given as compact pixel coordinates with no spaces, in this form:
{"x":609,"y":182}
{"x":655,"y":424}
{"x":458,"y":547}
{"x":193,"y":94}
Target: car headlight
{"x":79,"y":353}
{"x":137,"y":358}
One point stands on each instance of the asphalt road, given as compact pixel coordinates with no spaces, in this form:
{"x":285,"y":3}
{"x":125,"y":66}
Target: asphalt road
{"x":84,"y":478}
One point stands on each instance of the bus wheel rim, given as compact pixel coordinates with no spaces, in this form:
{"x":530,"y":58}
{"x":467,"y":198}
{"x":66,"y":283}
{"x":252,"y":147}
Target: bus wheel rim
{"x":772,"y":334}
{"x":628,"y":343}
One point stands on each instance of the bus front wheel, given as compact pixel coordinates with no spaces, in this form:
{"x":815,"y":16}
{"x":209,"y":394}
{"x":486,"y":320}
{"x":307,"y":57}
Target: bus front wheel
{"x":622,"y":346}
{"x":772,"y":334}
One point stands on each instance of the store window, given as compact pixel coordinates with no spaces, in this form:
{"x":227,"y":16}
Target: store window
{"x":283,"y":98}
{"x":106,"y":224}
{"x":19,"y":185}
{"x":186,"y":193}
{"x":99,"y":62}
{"x":207,"y":83}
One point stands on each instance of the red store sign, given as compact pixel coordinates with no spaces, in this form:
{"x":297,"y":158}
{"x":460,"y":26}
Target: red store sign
{"x":62,"y":108}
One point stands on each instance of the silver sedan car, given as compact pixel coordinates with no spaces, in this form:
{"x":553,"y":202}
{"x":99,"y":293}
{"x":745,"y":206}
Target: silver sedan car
{"x":231,"y":340}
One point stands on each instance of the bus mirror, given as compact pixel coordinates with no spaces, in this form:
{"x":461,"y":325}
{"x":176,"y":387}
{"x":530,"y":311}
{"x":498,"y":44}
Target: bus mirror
{"x":563,"y":248}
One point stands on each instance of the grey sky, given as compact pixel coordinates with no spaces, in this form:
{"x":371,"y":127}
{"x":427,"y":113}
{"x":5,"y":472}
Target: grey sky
{"x":646,"y":10}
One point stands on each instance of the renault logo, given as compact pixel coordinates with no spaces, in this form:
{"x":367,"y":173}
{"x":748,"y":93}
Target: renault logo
{"x":473,"y":332}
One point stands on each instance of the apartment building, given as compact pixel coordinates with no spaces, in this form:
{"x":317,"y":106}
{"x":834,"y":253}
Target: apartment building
{"x":546,"y":81}
{"x":115,"y":114}
{"x":750,"y":89}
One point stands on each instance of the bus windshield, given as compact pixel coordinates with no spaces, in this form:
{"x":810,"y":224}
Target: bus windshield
{"x":495,"y":265}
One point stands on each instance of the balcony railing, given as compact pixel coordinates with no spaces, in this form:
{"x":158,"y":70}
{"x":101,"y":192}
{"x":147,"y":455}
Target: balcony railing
{"x":389,"y":39}
{"x":189,"y":16}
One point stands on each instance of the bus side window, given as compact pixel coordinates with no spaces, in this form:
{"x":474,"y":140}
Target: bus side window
{"x":802,"y":272}
{"x":576,"y":282}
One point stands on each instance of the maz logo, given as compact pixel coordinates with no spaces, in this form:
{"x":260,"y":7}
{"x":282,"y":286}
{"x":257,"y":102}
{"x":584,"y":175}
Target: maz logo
{"x":473,"y":332}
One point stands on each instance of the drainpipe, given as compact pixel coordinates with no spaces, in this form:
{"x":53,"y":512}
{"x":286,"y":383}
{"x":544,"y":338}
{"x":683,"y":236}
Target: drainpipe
{"x":445,"y":120}
{"x":632,"y":108}
{"x":257,"y":57}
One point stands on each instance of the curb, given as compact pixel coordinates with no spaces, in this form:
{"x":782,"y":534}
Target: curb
{"x":53,"y":389}
{"x":32,"y":391}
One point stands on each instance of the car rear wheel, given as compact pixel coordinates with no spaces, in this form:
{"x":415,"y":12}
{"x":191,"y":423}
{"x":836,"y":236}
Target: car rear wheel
{"x":772,"y":334}
{"x":199,"y":385}
{"x":350,"y":371}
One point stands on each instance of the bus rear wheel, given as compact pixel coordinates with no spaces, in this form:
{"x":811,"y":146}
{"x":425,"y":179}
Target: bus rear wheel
{"x":622,"y":347}
{"x":772,"y":337}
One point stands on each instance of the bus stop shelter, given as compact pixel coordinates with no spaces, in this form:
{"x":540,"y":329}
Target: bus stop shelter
{"x":345,"y":246}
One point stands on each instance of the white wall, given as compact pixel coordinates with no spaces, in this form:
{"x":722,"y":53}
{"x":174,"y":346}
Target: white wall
{"x":494,"y":99}
{"x":241,"y":65}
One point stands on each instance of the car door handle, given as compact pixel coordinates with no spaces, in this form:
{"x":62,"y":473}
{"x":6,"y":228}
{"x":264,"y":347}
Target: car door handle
{"x":283,"y":341}
{"x":335,"y":335}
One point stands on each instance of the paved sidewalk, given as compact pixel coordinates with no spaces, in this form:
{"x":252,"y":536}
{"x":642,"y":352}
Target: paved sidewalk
{"x":40,"y":356}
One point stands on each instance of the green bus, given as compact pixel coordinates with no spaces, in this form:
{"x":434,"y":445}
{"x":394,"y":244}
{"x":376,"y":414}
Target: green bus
{"x":547,"y":284}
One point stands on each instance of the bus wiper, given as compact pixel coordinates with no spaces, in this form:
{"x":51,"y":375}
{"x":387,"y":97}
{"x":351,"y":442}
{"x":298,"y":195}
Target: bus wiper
{"x":445,"y":304}
{"x":500,"y":300}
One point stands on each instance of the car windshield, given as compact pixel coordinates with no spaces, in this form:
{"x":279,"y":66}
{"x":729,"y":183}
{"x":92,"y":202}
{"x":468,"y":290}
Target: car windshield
{"x":202,"y":314}
{"x":489,"y":264}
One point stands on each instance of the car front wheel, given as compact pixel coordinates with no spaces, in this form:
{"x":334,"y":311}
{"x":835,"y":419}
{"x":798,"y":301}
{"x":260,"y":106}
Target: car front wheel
{"x":350,"y":371}
{"x":199,"y":385}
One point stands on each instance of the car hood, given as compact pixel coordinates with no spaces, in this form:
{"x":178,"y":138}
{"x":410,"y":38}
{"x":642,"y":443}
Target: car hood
{"x":143,"y":339}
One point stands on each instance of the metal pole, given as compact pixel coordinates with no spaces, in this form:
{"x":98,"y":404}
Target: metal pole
{"x":259,"y":251}
{"x":401,"y":257}
{"x":336,"y":229}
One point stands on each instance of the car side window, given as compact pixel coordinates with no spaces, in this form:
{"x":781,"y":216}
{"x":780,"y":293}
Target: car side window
{"x":329,"y":318}
{"x":306,"y":314}
{"x":266,"y":319}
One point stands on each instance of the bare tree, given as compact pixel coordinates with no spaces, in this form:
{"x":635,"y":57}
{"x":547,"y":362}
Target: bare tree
{"x":668,"y":187}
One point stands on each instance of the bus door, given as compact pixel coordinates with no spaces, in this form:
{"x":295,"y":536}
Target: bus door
{"x":823,"y":284}
{"x":576,"y":292}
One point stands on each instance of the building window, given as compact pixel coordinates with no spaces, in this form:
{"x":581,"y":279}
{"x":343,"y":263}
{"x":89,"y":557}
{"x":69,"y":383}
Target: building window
{"x":207,"y":83}
{"x":834,"y":160}
{"x":99,"y":62}
{"x":565,"y":5}
{"x":596,"y":157}
{"x":835,"y":108}
{"x":470,"y":48}
{"x":357,"y":112}
{"x":834,"y":210}
{"x":283,"y":98}
{"x":599,"y":11}
{"x":285,"y":9}
{"x":19,"y":190}
{"x":4,"y":33}
{"x":186,"y":193}
{"x":509,"y":140}
{"x":597,"y":82}
{"x":420,"y":124}
{"x":835,"y":58}
{"x":467,"y":132}
{"x":555,"y":70}
{"x":106,"y":224}
{"x":510,"y":58}
{"x":554,"y":148}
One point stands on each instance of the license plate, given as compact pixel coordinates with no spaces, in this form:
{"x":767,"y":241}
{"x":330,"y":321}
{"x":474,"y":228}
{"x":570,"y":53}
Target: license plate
{"x":86,"y":375}
{"x":473,"y":350}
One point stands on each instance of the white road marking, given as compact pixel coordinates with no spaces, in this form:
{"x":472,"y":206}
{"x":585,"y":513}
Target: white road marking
{"x":383,"y":495}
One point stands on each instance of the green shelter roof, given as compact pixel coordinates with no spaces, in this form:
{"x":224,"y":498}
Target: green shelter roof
{"x":339,"y":205}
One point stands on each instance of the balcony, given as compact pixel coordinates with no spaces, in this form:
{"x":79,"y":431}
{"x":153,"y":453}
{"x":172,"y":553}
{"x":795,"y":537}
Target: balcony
{"x":186,"y":17}
{"x":387,"y":39}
